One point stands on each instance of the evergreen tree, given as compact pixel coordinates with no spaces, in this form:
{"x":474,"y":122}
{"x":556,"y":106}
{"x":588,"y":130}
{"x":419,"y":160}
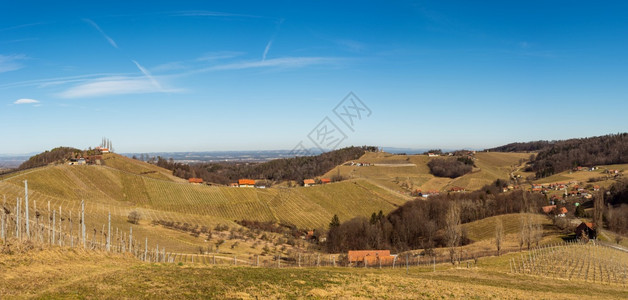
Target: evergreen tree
{"x":335,"y":222}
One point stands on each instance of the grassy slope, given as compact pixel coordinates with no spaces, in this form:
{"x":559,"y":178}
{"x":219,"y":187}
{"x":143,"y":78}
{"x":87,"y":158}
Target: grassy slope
{"x":490,"y":166}
{"x":583,"y":176}
{"x":132,"y":166}
{"x":305,"y":207}
{"x":134,"y":185}
{"x":485,"y":229}
{"x":55,"y":274}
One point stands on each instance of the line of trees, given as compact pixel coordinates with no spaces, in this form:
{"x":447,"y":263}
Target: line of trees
{"x":425,"y":224}
{"x":296,"y":168}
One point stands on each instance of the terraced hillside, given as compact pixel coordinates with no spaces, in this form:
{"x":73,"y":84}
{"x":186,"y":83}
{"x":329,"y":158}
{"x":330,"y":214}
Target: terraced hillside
{"x":127,"y":185}
{"x":404,"y":173}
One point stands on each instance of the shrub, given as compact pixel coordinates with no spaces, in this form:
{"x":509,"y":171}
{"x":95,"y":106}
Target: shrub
{"x":134,"y":217}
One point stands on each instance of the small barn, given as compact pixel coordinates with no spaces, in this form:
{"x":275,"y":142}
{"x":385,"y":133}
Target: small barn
{"x":586,"y":230}
{"x":308,"y":182}
{"x":94,"y":159}
{"x":325,"y":180}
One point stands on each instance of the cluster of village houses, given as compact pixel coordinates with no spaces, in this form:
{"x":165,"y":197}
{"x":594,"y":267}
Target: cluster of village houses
{"x":89,"y":159}
{"x":358,"y":164}
{"x":261,"y":183}
{"x":571,"y":188}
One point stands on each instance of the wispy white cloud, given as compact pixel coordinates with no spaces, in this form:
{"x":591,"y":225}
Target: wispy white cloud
{"x":18,"y":41}
{"x":11,"y":62}
{"x":284,"y":62}
{"x":58,"y":80}
{"x":270,"y":43}
{"x":170,"y":66}
{"x":20,"y":26}
{"x":148,"y":75}
{"x":272,"y":39}
{"x":205,"y":13}
{"x":108,"y":38}
{"x":26,"y":101}
{"x":108,"y":86}
{"x":350,"y":45}
{"x":210,"y":56}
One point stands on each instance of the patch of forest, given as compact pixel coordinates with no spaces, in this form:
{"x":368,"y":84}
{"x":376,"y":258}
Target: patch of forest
{"x":523,"y":147}
{"x":48,"y":157}
{"x":558,"y":156}
{"x":451,"y":167}
{"x":426,"y":224}
{"x":585,"y":152}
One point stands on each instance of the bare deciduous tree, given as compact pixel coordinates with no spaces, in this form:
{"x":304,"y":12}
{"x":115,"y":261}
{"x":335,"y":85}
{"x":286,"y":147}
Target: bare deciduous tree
{"x":531,"y":229}
{"x":499,"y":234}
{"x":598,"y":210}
{"x":453,"y":229}
{"x":524,"y":231}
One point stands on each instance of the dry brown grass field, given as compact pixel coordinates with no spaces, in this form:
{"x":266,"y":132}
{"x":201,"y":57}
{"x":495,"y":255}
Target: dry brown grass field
{"x":64,"y":273}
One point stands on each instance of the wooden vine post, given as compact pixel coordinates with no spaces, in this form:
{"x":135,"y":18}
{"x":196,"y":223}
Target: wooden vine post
{"x":28,"y":232}
{"x":82,"y":222}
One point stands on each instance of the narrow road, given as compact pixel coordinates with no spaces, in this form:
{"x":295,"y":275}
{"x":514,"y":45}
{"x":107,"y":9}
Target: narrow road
{"x":394,"y":165}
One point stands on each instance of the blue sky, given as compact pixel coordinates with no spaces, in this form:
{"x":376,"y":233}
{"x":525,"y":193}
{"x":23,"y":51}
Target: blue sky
{"x":201,"y":76}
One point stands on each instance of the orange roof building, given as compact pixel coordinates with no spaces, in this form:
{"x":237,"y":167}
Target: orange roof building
{"x":308,"y":182}
{"x":548,"y":209}
{"x":103,"y":150}
{"x":325,"y":180}
{"x":246,"y":182}
{"x":457,"y":189}
{"x":195,"y":180}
